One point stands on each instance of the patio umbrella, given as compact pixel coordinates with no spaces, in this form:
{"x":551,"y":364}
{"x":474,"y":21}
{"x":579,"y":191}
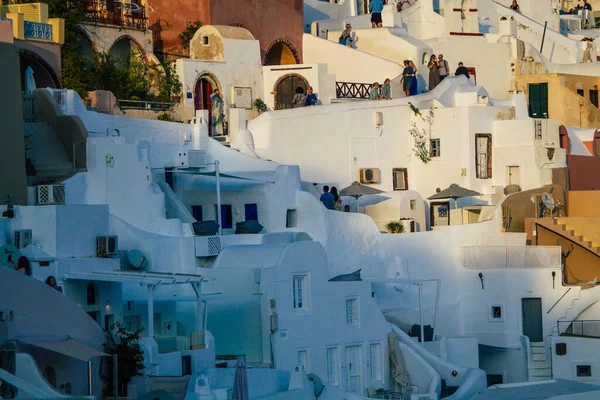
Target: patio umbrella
{"x":454,"y":192}
{"x":357,"y":190}
{"x":399,"y":371}
{"x":29,"y":81}
{"x":240,"y":382}
{"x":8,"y":352}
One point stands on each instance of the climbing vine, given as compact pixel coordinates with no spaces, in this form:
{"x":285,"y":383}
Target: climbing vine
{"x":421,"y":135}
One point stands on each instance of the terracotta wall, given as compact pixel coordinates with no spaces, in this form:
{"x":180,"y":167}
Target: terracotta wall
{"x":519,"y":206}
{"x":584,"y":203}
{"x":267,"y":20}
{"x":584,"y":172}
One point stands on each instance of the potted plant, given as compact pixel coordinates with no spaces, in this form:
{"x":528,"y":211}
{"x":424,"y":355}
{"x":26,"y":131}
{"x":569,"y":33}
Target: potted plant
{"x":395,"y":227}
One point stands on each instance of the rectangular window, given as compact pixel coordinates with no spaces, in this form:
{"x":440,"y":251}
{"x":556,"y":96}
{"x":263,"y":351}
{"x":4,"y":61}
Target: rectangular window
{"x":594,"y":97}
{"x":584,"y":371}
{"x":581,"y":92}
{"x":226,"y":216}
{"x":483,"y":156}
{"x":413,"y":204}
{"x":300,"y":292}
{"x":291,"y":219}
{"x":435,"y":150}
{"x":251,"y":211}
{"x":494,"y":379}
{"x":205,"y":40}
{"x":197,"y":213}
{"x":333,"y":363}
{"x":400,"y":178}
{"x":376,"y":362}
{"x":303,"y":359}
{"x":352,"y":311}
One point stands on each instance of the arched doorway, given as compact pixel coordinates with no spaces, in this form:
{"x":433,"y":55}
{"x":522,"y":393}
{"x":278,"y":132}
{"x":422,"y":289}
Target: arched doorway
{"x":50,"y":375}
{"x":205,"y":86}
{"x":43,"y":74}
{"x":281,"y":52}
{"x":125,"y":50}
{"x":84,"y":44}
{"x":285,"y":89}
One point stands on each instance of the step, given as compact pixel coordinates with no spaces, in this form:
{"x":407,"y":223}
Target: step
{"x":538,"y":357}
{"x":540,"y":372}
{"x":539,"y":378}
{"x":539,"y":364}
{"x":538,"y":350}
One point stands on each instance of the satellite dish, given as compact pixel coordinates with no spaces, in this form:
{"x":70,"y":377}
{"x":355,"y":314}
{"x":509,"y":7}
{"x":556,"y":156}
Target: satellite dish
{"x":137,"y":259}
{"x":548,"y":201}
{"x":9,"y":253}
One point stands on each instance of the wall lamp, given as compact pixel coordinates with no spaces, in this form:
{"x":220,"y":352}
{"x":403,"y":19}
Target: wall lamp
{"x":481,"y":279}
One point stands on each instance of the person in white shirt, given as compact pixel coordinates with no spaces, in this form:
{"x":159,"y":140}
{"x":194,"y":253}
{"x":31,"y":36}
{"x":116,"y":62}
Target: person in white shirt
{"x":443,"y":69}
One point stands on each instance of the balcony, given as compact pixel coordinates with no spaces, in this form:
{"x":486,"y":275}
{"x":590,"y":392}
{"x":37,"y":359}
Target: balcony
{"x":37,"y":30}
{"x":580,"y":328}
{"x":30,"y":22}
{"x":125,"y":15}
{"x":511,"y":257}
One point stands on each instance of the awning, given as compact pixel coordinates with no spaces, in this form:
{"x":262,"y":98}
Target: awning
{"x":147,"y":278}
{"x":70,"y":348}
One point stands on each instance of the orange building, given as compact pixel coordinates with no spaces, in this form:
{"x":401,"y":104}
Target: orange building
{"x":277,"y":24}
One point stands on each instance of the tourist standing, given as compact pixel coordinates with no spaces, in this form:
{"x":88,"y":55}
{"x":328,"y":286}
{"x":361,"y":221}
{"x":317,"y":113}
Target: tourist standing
{"x":374,"y":92}
{"x":311,"y":98}
{"x":414,"y":85}
{"x":434,"y":74}
{"x":337,"y":200}
{"x":515,"y":6}
{"x":23,"y":266}
{"x":51,"y":281}
{"x":327,"y":198}
{"x":347,"y":37}
{"x":407,"y":78}
{"x":443,"y":67}
{"x":462,"y":70}
{"x":217,"y":113}
{"x":299,"y":99}
{"x":375,"y":8}
{"x":386,"y":90}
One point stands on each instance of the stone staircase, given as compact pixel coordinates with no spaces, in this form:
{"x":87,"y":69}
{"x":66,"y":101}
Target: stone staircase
{"x":176,"y":386}
{"x":51,"y":162}
{"x":575,"y":237}
{"x":540,"y":368}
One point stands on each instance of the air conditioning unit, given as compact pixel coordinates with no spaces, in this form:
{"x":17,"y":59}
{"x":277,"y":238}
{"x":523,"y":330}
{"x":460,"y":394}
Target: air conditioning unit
{"x":196,"y":158}
{"x":370,"y":175}
{"x":107,"y":246}
{"x":208,"y":246}
{"x":51,"y":194}
{"x":22,"y":238}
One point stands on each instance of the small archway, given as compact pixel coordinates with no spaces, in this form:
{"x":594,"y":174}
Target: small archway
{"x":84,"y":43}
{"x":285,"y":89}
{"x":281,"y":52}
{"x":50,"y":375}
{"x":43,"y":74}
{"x":126,"y":50}
{"x":90,"y":295}
{"x":205,"y":85}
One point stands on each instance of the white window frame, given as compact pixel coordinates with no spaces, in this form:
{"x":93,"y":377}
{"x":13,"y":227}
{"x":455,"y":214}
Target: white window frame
{"x":299,"y":361}
{"x":438,"y":148}
{"x":376,"y":377}
{"x":355,"y":322}
{"x":301,"y":292}
{"x":333,"y":366}
{"x":491,"y":312}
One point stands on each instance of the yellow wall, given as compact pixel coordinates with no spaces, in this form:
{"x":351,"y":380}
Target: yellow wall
{"x":563,"y":100}
{"x":584,"y":203}
{"x":35,"y":12}
{"x":588,"y":227}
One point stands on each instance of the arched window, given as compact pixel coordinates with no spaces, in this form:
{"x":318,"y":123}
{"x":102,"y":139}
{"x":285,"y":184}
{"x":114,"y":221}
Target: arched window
{"x":281,"y":52}
{"x":50,"y":375}
{"x":91,"y":295}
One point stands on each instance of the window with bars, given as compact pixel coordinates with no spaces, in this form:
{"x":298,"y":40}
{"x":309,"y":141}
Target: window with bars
{"x":435,"y":150}
{"x":300,"y":292}
{"x":483,"y":155}
{"x":376,"y":362}
{"x":352,"y":311}
{"x":333,"y":362}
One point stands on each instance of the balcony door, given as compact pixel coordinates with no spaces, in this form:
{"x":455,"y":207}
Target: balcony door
{"x":538,"y":100}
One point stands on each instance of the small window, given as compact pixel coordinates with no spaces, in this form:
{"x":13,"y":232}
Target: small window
{"x":197,"y":213}
{"x":91,"y":295}
{"x":584,"y":371}
{"x":205,"y":40}
{"x":291,"y":219}
{"x":494,"y":379}
{"x":352,"y":311}
{"x":581,"y":92}
{"x":300,"y":292}
{"x":251,"y":211}
{"x":434,"y":148}
{"x":303,"y":359}
{"x":226,"y":216}
{"x":413,"y":205}
{"x":333,"y":362}
{"x":594,"y":97}
{"x":496,"y":312}
{"x":400,"y":178}
{"x":483,"y":156}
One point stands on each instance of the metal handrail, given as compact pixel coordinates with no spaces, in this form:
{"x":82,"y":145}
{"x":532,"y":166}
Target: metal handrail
{"x":144,"y":105}
{"x":558,"y":301}
{"x":573,"y":324}
{"x":349,"y":90}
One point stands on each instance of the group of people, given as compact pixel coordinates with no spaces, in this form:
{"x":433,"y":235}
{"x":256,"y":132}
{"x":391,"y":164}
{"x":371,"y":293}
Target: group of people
{"x":381,"y":92}
{"x":439,"y":70}
{"x":24,"y":266}
{"x":302,"y":99}
{"x":586,"y":6}
{"x":332,"y":200}
{"x":409,"y":78}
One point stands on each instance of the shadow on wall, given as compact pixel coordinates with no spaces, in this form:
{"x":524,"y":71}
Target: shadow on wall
{"x":519,"y":206}
{"x":312,"y":14}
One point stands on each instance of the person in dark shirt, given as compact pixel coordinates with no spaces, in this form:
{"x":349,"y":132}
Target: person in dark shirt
{"x":327,"y":198}
{"x":462,"y":70}
{"x":586,"y":5}
{"x":515,"y":6}
{"x":311,"y":98}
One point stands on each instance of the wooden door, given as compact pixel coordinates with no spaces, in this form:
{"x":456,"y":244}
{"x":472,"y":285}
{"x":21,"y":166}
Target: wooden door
{"x":354,"y":378}
{"x":202,"y":99}
{"x":532,"y":319}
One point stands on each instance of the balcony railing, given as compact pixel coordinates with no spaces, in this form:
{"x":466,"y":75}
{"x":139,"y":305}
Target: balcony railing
{"x":144,"y":105}
{"x":352,"y":90}
{"x":37,"y":30}
{"x":511,"y":257}
{"x":583,"y":328}
{"x":126,"y":15}
{"x":28,"y":107}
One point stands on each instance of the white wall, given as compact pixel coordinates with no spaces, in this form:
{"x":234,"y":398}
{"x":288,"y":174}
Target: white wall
{"x":316,"y":10}
{"x":580,"y":351}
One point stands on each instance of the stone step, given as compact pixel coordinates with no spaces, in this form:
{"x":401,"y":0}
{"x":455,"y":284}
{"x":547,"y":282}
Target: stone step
{"x":540,"y":364}
{"x":538,"y":357}
{"x":540,"y":372}
{"x":538,"y":350}
{"x":539,"y":378}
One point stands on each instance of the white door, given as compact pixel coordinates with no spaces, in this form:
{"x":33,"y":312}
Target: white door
{"x":514,"y":175}
{"x":354,"y":378}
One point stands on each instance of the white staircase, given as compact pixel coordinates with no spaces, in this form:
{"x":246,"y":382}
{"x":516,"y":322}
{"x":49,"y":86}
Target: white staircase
{"x":176,"y":386}
{"x":540,"y":368}
{"x":51,"y":158}
{"x":584,"y":299}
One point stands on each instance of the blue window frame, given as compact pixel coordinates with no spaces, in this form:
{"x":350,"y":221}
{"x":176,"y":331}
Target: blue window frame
{"x":251,"y":212}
